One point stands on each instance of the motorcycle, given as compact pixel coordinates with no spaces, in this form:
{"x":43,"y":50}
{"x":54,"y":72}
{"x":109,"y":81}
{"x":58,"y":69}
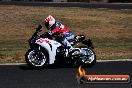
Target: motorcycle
{"x":46,"y":50}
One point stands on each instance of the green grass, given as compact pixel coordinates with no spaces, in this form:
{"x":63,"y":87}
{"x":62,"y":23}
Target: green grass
{"x":110,"y":30}
{"x":12,"y":51}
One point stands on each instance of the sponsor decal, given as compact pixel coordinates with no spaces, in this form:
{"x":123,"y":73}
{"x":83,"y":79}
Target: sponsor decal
{"x":42,"y":40}
{"x":82,"y":78}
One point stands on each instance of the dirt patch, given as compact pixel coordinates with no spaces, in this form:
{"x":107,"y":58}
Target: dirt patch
{"x":109,"y":29}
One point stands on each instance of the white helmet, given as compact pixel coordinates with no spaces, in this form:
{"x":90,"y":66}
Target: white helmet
{"x":49,"y":21}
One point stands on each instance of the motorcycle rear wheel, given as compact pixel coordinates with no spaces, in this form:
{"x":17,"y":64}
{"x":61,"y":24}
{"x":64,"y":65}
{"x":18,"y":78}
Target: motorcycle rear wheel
{"x":90,"y":60}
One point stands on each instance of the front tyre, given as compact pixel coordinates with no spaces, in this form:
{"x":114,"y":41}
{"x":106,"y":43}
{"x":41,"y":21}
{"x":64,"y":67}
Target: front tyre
{"x":36,"y":58}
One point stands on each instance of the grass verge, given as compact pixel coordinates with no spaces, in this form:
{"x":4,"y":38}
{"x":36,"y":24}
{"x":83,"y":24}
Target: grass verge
{"x":110,"y":30}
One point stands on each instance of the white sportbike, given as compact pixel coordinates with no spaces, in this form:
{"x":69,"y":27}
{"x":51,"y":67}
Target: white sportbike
{"x":45,"y":50}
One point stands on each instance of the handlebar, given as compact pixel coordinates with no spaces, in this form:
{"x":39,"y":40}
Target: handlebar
{"x":38,"y":28}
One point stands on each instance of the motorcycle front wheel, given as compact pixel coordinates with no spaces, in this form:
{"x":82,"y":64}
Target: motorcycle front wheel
{"x":36,"y":58}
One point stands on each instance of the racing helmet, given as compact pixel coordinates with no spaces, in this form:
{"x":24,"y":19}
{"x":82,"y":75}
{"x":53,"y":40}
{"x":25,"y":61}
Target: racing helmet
{"x":49,"y":21}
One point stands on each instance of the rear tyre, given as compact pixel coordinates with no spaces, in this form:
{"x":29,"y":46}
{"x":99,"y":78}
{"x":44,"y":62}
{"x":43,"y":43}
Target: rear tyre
{"x":36,"y":58}
{"x":88,"y":60}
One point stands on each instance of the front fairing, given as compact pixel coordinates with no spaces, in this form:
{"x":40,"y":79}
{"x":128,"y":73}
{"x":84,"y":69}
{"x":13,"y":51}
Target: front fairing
{"x":32,"y":41}
{"x":49,"y":45}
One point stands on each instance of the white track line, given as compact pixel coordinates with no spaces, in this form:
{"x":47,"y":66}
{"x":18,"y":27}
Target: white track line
{"x":114,"y":60}
{"x":13,"y":64}
{"x":97,"y":61}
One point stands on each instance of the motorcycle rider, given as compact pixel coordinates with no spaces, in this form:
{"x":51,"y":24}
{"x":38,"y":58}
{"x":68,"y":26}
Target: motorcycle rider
{"x":55,"y":27}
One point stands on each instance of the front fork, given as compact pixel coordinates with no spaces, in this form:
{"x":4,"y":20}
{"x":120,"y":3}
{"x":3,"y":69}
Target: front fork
{"x":38,"y":53}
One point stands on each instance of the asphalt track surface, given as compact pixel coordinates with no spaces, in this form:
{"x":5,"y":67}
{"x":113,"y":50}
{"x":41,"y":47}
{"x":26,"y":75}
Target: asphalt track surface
{"x":72,"y":4}
{"x":21,"y":76}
